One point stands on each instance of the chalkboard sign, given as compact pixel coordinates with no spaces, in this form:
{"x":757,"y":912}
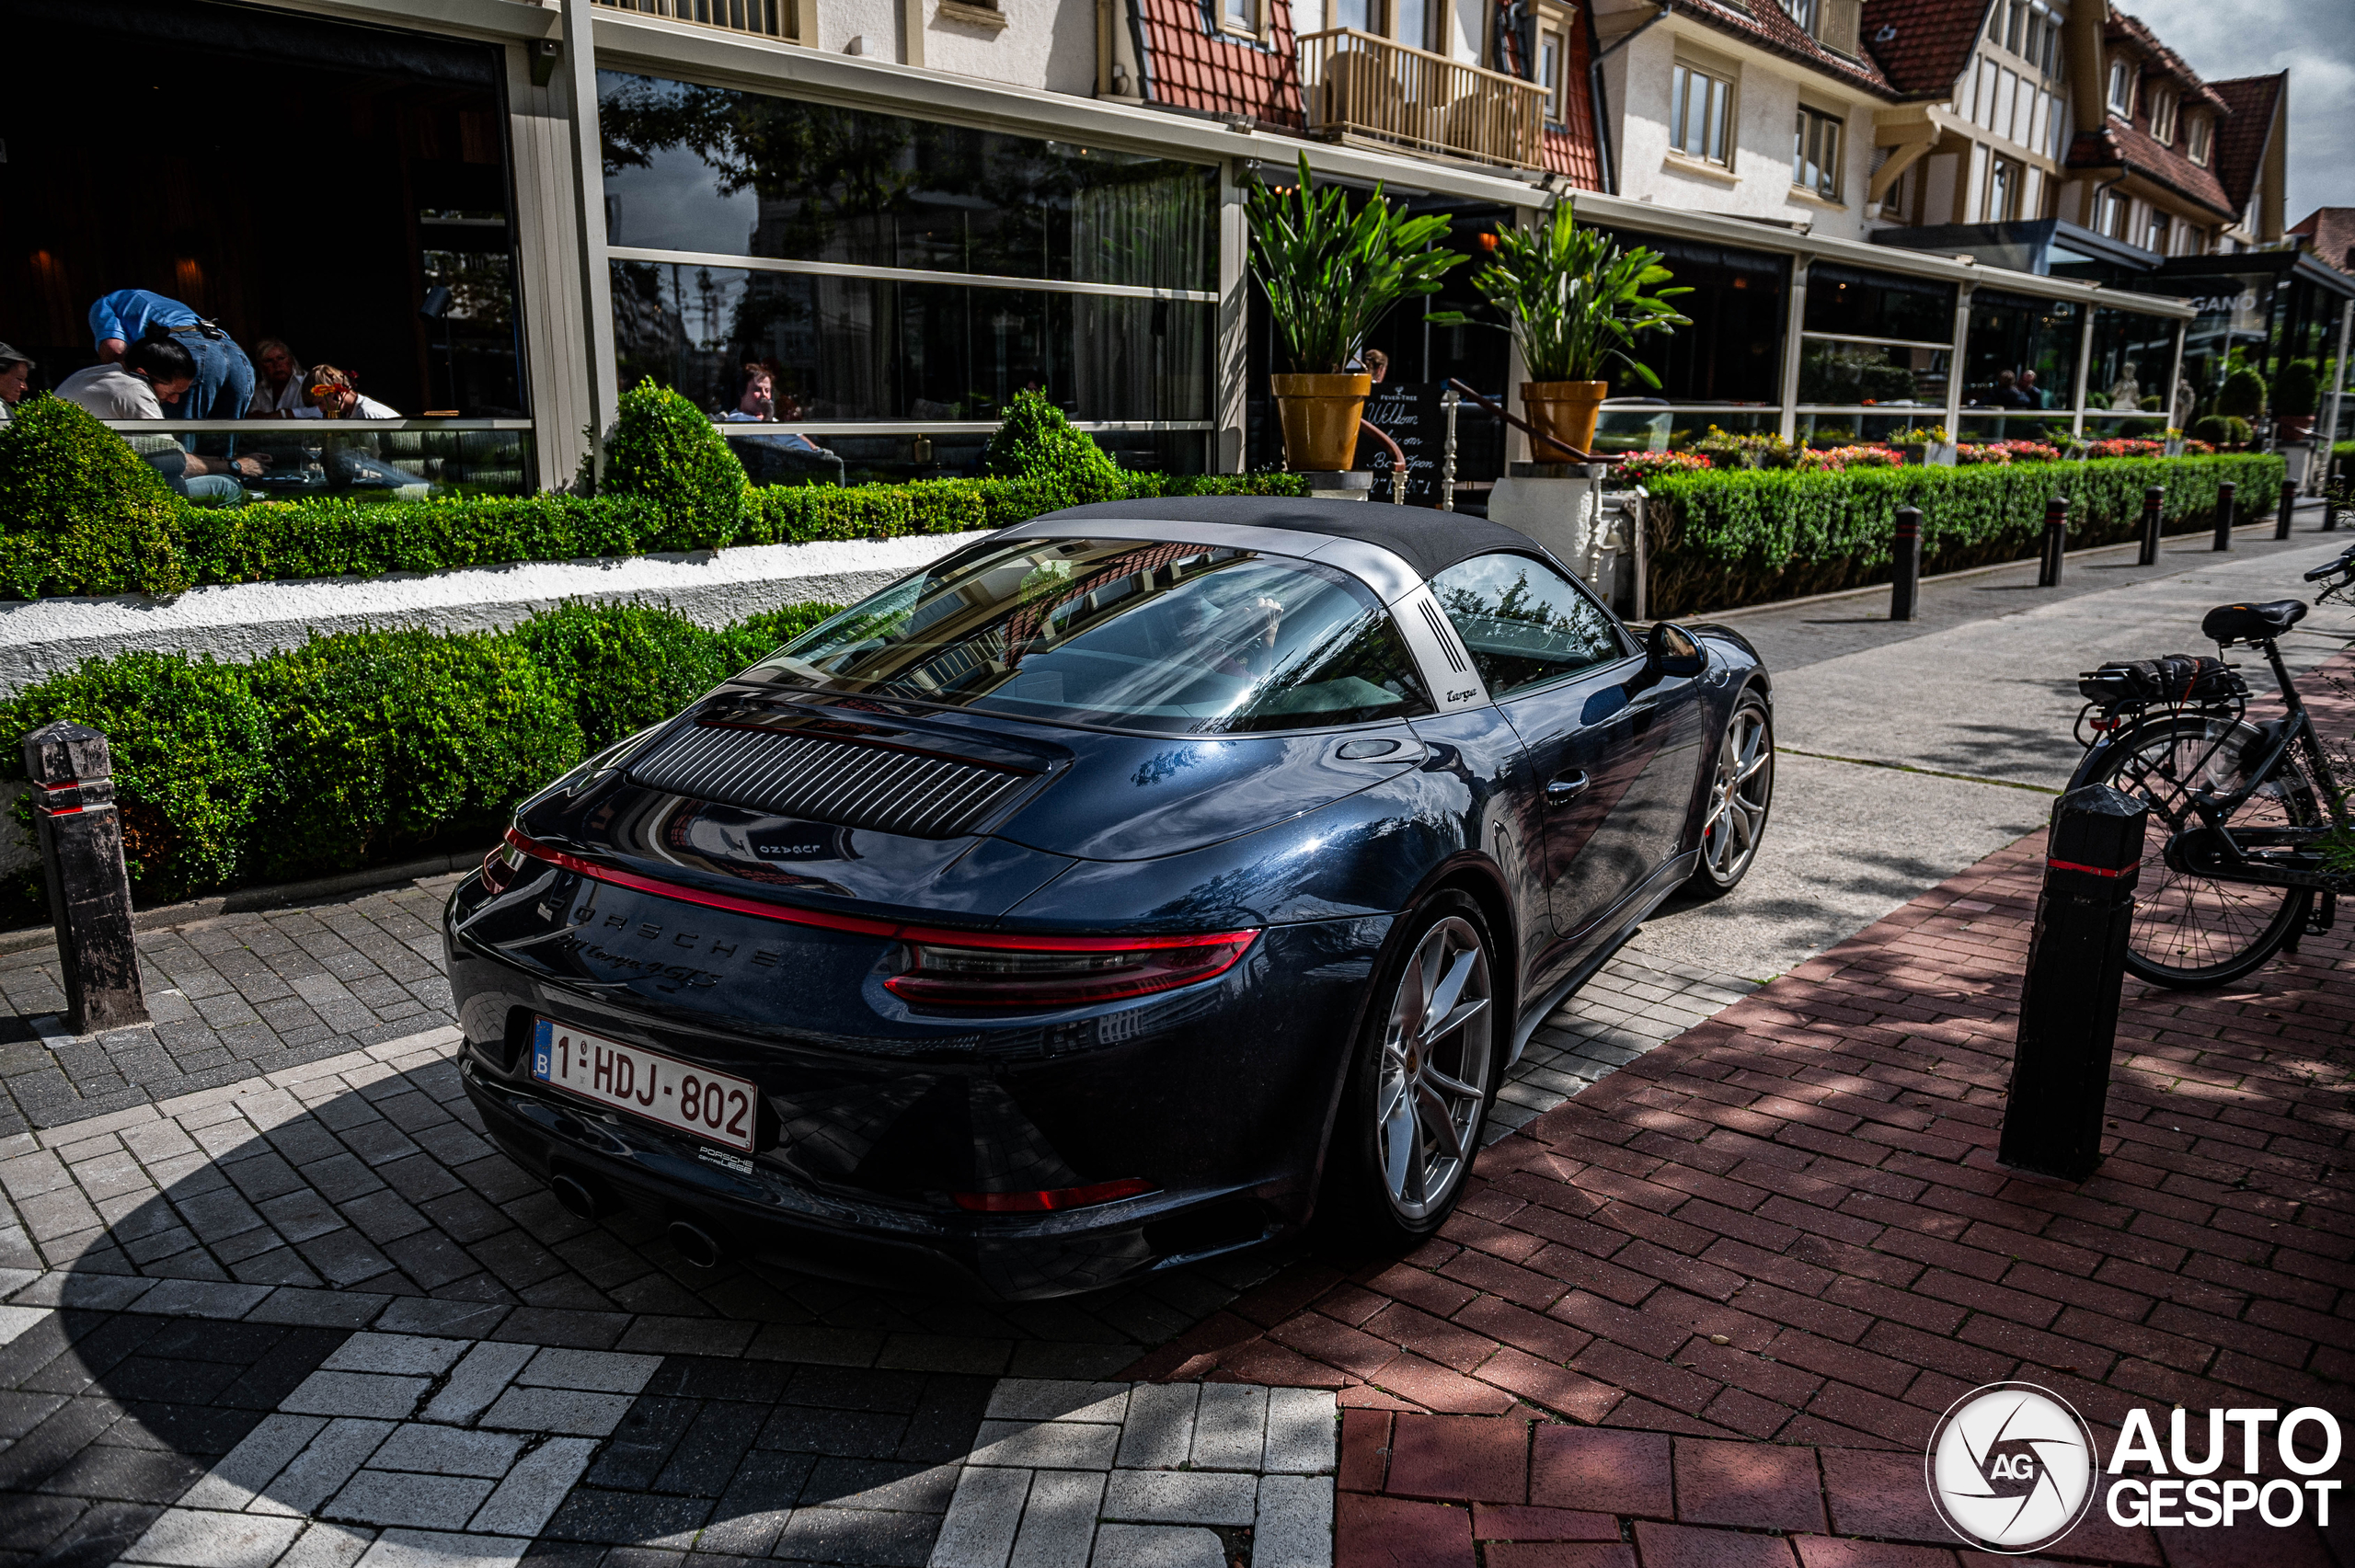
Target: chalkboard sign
{"x":1410,"y":413}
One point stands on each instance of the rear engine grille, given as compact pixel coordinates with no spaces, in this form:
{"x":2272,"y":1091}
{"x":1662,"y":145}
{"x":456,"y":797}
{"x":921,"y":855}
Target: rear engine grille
{"x":818,"y":780}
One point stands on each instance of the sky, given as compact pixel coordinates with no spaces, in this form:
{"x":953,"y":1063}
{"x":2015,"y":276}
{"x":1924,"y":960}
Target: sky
{"x":2315,"y":41}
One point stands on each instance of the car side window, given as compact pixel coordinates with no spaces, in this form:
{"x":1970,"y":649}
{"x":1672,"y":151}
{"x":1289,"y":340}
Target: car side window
{"x":1524,"y":622}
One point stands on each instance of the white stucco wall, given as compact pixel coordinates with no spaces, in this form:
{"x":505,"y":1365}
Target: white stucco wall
{"x":874,"y":23}
{"x":1045,"y":43}
{"x":1639,"y":79}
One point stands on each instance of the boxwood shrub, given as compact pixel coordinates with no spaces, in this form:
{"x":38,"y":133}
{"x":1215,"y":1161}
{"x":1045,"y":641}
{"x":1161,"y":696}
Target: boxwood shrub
{"x":81,"y":514}
{"x":1722,"y":539}
{"x":365,"y":748}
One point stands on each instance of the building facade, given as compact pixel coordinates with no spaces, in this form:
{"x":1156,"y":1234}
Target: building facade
{"x":498,"y":213}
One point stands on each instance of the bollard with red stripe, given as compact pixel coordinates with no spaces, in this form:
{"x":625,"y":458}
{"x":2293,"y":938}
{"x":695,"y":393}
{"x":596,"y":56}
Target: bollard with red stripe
{"x":89,"y":892}
{"x":2076,"y":961}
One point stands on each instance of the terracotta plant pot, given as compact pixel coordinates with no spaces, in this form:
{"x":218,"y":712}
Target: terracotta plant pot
{"x":1320,"y":415}
{"x":1565,"y":411}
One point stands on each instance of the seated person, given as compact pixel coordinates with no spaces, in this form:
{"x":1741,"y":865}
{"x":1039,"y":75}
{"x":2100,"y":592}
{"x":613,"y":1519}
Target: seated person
{"x":16,"y":374}
{"x":782,"y":456}
{"x":282,"y":386}
{"x":152,"y":371}
{"x":335,"y":394}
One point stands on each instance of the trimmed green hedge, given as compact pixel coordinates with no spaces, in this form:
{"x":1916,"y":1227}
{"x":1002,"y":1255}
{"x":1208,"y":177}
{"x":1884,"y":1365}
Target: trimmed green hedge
{"x":80,"y":514}
{"x":1723,"y":538}
{"x":372,"y":747}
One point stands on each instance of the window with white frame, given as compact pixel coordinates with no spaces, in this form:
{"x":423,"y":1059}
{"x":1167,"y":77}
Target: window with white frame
{"x":2005,"y":179}
{"x":2163,"y":102}
{"x":2121,"y":87}
{"x":1554,"y":63}
{"x":1807,"y":13}
{"x":2199,"y":138}
{"x":1700,"y":106}
{"x":2110,"y":220}
{"x":2015,"y":26}
{"x":1248,"y":17}
{"x":1815,"y":154}
{"x":2155,"y":233}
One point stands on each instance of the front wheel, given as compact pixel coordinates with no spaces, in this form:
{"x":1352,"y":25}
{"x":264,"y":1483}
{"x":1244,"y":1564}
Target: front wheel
{"x":2190,"y":930}
{"x":1417,"y":1095}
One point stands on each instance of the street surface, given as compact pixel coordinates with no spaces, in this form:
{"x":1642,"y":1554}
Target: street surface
{"x":272,"y":1298}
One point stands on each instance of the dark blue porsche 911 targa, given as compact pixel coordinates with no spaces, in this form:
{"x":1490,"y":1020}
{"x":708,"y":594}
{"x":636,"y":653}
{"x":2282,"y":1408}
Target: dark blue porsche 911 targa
{"x":1123,"y":888}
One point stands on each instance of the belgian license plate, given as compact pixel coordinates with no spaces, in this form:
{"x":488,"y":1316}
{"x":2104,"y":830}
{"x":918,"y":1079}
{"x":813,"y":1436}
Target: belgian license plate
{"x":693,"y":1100}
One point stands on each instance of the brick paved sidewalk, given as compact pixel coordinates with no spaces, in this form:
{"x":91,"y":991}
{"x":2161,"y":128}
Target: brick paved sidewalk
{"x":1788,"y":1225}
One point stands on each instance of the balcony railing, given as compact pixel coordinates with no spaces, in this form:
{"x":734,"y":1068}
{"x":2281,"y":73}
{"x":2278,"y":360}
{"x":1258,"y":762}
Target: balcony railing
{"x":1357,"y":83}
{"x":763,"y":18}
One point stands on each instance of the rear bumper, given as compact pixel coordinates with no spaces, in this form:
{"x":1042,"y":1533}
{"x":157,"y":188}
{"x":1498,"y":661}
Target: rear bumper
{"x":1220,"y":1094}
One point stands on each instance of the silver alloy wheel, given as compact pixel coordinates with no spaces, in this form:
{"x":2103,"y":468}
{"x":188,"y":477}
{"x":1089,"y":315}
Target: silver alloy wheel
{"x":1739,"y":795}
{"x":1435,"y":1054}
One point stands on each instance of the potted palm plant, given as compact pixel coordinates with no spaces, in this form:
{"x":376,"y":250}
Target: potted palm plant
{"x":1330,"y":276}
{"x":1574,"y":300}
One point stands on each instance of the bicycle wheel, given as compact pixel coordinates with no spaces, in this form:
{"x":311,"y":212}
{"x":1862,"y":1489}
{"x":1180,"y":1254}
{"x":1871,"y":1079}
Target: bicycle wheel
{"x":2192,"y":930}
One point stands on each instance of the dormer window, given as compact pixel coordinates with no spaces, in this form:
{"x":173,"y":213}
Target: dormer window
{"x":2121,"y":87}
{"x":2163,"y":117}
{"x":2199,"y":139}
{"x":1807,"y":13}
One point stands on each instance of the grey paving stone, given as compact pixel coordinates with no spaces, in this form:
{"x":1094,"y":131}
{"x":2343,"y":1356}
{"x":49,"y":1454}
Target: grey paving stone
{"x":1058,"y":1521}
{"x":1156,"y":1545}
{"x":1023,"y":1399}
{"x":983,"y":1516}
{"x":447,"y":1450}
{"x":329,"y":1545}
{"x":851,"y":1536}
{"x":1160,"y":1429}
{"x":1181,"y":1498}
{"x":565,"y":1411}
{"x":185,"y":1538}
{"x":320,"y":1469}
{"x":1294,"y":1527}
{"x":427,"y":1502}
{"x":486,"y":1368}
{"x":402,"y":1354}
{"x":357,"y":1394}
{"x":532,"y":1492}
{"x":239,"y":1476}
{"x":590,"y":1371}
{"x":1302,"y":1429}
{"x":442,"y":1549}
{"x":1230,"y":1426}
{"x":1053,"y":1444}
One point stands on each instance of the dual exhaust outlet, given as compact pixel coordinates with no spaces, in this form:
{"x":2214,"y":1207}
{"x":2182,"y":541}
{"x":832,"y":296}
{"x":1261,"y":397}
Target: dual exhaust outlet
{"x":584,"y":1197}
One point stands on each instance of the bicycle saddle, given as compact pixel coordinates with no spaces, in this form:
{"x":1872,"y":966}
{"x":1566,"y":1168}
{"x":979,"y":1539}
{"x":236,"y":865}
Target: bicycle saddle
{"x":2252,"y":622}
{"x":2345,"y":562}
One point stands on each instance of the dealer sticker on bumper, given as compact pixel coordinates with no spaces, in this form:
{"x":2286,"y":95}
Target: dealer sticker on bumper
{"x":692,"y":1100}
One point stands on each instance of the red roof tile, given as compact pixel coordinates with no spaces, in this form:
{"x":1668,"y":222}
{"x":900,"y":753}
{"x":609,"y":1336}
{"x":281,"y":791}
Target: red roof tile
{"x":2253,"y":103}
{"x":1923,"y":46}
{"x":2330,"y":235}
{"x":2130,"y":30}
{"x":1766,"y":25}
{"x":1187,"y":65}
{"x":2118,"y":143}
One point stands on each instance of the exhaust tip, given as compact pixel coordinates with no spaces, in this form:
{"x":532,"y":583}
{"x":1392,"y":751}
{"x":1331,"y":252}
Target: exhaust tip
{"x":577,"y":1197}
{"x":694,"y":1244}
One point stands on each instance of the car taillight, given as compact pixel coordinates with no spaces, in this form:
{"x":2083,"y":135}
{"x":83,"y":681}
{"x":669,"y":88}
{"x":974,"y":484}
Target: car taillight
{"x":949,"y":970}
{"x":1049,"y":1201}
{"x":499,"y":866}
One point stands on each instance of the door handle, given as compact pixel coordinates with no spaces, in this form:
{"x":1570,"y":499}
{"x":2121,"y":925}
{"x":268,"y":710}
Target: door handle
{"x":1566,"y":788}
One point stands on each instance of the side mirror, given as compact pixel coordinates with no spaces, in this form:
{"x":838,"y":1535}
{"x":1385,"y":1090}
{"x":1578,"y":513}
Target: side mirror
{"x":1670,"y":650}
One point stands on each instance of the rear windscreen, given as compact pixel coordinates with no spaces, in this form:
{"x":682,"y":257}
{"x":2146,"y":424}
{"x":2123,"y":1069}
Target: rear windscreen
{"x":1121,"y":633}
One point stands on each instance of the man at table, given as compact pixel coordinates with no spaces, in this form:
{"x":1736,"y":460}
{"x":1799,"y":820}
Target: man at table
{"x":281,"y":390}
{"x":16,"y":374}
{"x":154,"y":371}
{"x":224,"y":385}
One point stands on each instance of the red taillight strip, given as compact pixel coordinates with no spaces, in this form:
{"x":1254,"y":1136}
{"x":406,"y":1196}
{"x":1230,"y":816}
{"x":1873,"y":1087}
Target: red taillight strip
{"x":942,"y":937}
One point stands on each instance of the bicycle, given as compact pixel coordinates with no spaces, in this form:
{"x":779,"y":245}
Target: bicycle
{"x":2234,"y":870}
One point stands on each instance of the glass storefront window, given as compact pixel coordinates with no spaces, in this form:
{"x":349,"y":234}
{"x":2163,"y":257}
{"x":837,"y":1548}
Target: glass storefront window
{"x":832,"y":457}
{"x":2128,"y":371}
{"x":710,"y":169}
{"x":1644,"y":430}
{"x":1978,"y":430}
{"x":305,"y":459}
{"x":1848,"y":301}
{"x":2149,"y":427}
{"x":1733,"y":351}
{"x":874,"y":349}
{"x":2020,"y":353}
{"x":1832,"y":370}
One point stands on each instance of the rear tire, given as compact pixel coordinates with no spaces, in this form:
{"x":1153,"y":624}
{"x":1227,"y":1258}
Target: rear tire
{"x":2190,"y":930}
{"x":1425,"y":1070}
{"x":1742,"y":793}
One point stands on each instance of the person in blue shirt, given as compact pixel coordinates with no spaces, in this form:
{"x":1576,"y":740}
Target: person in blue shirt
{"x":224,"y":376}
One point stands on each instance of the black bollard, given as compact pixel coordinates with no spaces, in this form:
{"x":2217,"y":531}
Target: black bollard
{"x":2153,"y":500}
{"x":2076,"y":960}
{"x":1905,"y":546}
{"x":89,"y":892}
{"x":2330,"y":510}
{"x":2056,"y":541}
{"x":2224,"y":515}
{"x":2288,"y":501}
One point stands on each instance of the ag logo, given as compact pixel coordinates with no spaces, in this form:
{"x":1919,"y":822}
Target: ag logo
{"x":2011,"y":1468}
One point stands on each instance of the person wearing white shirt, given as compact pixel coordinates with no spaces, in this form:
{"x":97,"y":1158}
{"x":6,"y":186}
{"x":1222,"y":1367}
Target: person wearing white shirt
{"x":334,"y":394}
{"x":282,"y":389}
{"x":153,"y":371}
{"x":16,"y":374}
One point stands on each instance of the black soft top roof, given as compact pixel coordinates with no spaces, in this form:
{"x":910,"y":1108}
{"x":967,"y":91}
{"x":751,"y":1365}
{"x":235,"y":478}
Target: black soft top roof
{"x":1429,"y":541}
